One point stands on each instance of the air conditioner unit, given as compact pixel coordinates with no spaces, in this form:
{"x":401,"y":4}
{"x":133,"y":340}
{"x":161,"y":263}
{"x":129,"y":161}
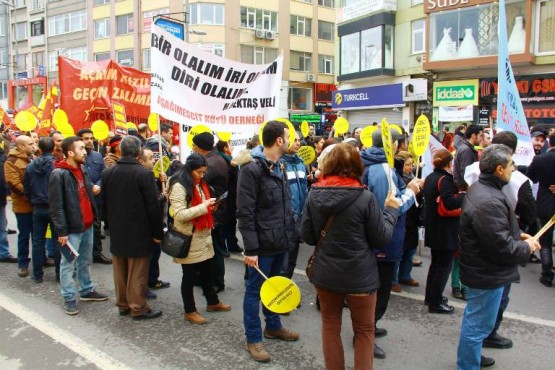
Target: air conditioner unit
{"x":270,"y":35}
{"x":260,"y":34}
{"x":310,"y":77}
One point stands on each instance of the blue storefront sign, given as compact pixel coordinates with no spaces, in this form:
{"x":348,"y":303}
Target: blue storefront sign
{"x":174,"y":27}
{"x":374,"y":96}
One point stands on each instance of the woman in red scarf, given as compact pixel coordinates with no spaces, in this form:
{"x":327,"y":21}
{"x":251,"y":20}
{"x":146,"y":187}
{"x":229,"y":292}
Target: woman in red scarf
{"x":192,"y":209}
{"x":345,"y":266}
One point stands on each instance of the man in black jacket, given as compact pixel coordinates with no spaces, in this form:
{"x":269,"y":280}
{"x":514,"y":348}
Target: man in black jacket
{"x":466,"y":154}
{"x":491,"y":249}
{"x":265,"y":221}
{"x":217,"y":177}
{"x":130,"y":202}
{"x":35,"y":184}
{"x":542,"y":170}
{"x":72,"y":210}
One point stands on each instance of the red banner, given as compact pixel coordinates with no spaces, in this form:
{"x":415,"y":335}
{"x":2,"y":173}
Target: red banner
{"x":88,"y":89}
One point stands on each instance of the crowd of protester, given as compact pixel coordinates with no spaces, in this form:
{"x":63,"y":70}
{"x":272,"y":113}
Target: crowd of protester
{"x":475,"y":212}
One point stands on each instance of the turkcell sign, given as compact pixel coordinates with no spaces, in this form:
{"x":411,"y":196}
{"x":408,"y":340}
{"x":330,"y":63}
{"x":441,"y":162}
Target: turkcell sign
{"x":174,"y":27}
{"x":367,"y":97}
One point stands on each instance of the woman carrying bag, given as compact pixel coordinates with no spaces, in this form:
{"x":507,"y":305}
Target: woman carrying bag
{"x":342,"y":218}
{"x":192,"y":215}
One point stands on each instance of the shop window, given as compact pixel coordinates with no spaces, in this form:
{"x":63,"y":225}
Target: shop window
{"x":419,"y":36}
{"x":350,"y":53}
{"x":546,"y":27}
{"x":472,"y":32}
{"x":300,"y":98}
{"x":367,"y":50}
{"x":301,"y":61}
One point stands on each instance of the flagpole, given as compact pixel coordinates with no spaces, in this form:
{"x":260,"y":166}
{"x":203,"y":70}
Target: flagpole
{"x":160,"y":151}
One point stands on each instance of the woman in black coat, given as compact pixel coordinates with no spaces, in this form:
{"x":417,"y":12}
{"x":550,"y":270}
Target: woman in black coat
{"x":345,"y":266}
{"x":441,"y":232}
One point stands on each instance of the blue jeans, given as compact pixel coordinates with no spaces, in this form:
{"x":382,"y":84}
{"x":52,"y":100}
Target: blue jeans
{"x":270,"y":266}
{"x":4,"y":246}
{"x":405,"y":266}
{"x":83,"y":243}
{"x":25,"y":227}
{"x":482,"y":306}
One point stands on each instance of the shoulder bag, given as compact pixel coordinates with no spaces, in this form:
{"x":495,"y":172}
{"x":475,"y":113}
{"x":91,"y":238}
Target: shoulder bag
{"x":441,"y":209}
{"x":312,"y":258}
{"x":175,"y":243}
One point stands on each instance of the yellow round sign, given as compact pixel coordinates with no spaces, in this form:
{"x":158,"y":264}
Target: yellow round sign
{"x":366,"y":135}
{"x":280,"y":294}
{"x":60,"y":118}
{"x":223,"y":135}
{"x":396,"y":128}
{"x":166,"y":162}
{"x":341,"y":125}
{"x":387,"y":143}
{"x":305,"y":129}
{"x":66,"y":130}
{"x":131,"y":126}
{"x":421,"y":135}
{"x":25,"y":121}
{"x":195,"y":130}
{"x":100,"y":130}
{"x":289,"y":126}
{"x":307,"y":154}
{"x":153,"y":122}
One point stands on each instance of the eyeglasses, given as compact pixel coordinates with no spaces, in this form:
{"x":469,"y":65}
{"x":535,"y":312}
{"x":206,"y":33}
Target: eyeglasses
{"x":409,"y":164}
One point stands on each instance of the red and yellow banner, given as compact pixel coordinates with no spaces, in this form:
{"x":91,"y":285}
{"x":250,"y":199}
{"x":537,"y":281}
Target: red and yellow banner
{"x":88,"y":91}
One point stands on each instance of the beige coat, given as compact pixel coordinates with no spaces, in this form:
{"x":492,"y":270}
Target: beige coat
{"x":201,"y":245}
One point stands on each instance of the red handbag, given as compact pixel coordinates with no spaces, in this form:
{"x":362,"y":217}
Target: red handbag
{"x":441,"y":209}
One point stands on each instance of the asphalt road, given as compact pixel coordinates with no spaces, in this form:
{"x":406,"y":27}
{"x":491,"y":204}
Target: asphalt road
{"x":37,"y":334}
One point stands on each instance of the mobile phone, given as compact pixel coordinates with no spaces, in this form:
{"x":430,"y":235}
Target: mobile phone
{"x":221,"y":197}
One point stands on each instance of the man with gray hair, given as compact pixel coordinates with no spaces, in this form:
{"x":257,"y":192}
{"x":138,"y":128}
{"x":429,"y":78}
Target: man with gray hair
{"x":491,"y":248}
{"x":131,"y":209}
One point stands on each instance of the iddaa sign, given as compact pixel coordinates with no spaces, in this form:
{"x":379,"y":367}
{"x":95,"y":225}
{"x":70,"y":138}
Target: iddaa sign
{"x":455,"y":93}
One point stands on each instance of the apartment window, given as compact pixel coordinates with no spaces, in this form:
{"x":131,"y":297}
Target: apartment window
{"x":36,"y":5}
{"x":418,"y":36}
{"x":299,"y":98}
{"x":3,"y":90}
{"x":125,"y":57}
{"x":146,"y":59}
{"x":326,"y":30}
{"x":328,"y":3}
{"x":301,"y":26}
{"x":37,"y":28}
{"x":19,"y":3}
{"x":258,"y":19}
{"x":325,"y":64}
{"x":78,"y":54}
{"x":257,"y":55}
{"x":20,"y":31}
{"x":3,"y":58}
{"x":206,"y":13}
{"x":101,"y":2}
{"x":53,"y":59}
{"x":2,"y":26}
{"x":98,"y":57}
{"x":300,"y":61}
{"x":37,"y":59}
{"x":416,"y":2}
{"x":21,"y":62}
{"x":217,"y":49}
{"x":102,"y":28}
{"x":546,"y":27}
{"x":305,"y":1}
{"x":66,"y":23}
{"x":125,"y":24}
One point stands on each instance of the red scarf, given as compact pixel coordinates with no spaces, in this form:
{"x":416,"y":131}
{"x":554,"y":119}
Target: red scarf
{"x":206,"y":221}
{"x":339,"y":181}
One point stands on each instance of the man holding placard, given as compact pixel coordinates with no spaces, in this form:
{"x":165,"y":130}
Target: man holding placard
{"x":264,"y":214}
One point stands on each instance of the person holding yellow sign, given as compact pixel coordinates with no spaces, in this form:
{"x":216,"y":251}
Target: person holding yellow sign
{"x":346,"y":224}
{"x":381,"y":178}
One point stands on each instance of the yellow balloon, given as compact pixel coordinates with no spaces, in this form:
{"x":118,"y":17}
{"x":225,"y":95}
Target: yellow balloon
{"x":66,"y":130}
{"x":25,"y":121}
{"x":421,"y":135}
{"x":305,"y":129}
{"x":60,"y":118}
{"x":366,"y":135}
{"x":224,"y":136}
{"x":131,"y":125}
{"x":341,"y":125}
{"x":100,"y":130}
{"x":307,"y":154}
{"x":153,"y":121}
{"x":198,"y":129}
{"x":280,"y":294}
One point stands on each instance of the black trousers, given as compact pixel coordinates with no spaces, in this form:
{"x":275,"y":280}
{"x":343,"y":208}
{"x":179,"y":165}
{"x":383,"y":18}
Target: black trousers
{"x":97,"y":240}
{"x":438,"y":275}
{"x":218,"y":263}
{"x":204,"y":271}
{"x":385,"y":269}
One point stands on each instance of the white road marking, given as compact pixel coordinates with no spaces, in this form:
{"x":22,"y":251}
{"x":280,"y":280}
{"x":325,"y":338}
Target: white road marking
{"x":420,"y":297}
{"x":75,"y":344}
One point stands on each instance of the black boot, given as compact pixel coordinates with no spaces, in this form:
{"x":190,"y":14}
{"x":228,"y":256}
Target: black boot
{"x":495,"y":340}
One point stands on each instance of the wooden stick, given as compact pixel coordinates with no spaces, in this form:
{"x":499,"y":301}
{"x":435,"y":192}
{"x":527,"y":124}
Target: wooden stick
{"x":546,"y":227}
